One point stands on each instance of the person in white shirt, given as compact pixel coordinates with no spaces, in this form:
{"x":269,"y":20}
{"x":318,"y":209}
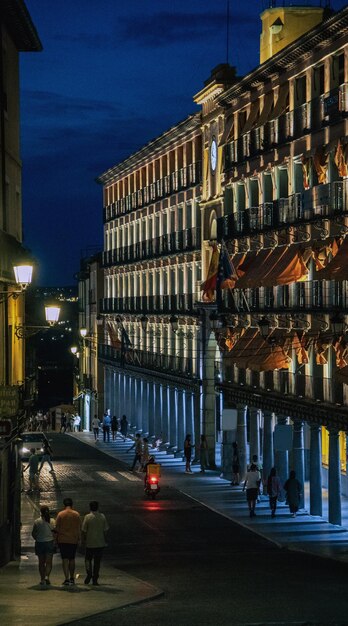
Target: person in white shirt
{"x":252,"y":486}
{"x":94,"y":529}
{"x":43,"y":533}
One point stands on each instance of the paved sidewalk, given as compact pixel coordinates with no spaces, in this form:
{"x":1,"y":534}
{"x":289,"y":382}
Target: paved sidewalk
{"x":305,"y":532}
{"x":24,"y":601}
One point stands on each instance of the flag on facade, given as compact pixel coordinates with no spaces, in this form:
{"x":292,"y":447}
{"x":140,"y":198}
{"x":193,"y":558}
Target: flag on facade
{"x":226,"y":276}
{"x":209,"y":285}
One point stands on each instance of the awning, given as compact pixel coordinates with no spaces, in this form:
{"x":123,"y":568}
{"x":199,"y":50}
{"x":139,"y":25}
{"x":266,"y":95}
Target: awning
{"x":283,"y":265}
{"x":254,"y":111}
{"x":281,"y":104}
{"x":267,"y":356}
{"x":337,"y":269}
{"x":254,"y":352}
{"x":240,"y":353}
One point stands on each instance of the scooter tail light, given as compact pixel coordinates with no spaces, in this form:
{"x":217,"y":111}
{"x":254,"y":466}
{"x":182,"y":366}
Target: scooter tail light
{"x":153,"y":479}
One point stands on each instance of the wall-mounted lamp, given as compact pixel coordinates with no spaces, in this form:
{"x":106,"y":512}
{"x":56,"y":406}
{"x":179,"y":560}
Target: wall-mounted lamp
{"x":23,"y":276}
{"x":174,"y":323}
{"x":52,"y":317}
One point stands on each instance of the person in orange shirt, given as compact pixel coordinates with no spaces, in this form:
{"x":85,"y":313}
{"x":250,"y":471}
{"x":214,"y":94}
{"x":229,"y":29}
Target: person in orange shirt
{"x":68,"y":530}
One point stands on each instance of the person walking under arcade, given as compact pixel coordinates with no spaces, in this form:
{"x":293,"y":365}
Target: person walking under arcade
{"x":293,"y":490}
{"x":252,"y":485}
{"x":188,"y":454}
{"x":274,"y":489}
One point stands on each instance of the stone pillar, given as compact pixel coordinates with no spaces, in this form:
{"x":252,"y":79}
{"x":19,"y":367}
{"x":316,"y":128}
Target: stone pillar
{"x":189,"y":414}
{"x":268,"y":450}
{"x":281,"y":457}
{"x":158,"y":410}
{"x":315,"y":483}
{"x":335,"y":516}
{"x":173,"y":418}
{"x":145,"y":409}
{"x":298,"y":452}
{"x":228,"y":437}
{"x":151,"y":408}
{"x":207,"y":421}
{"x":242,"y":439}
{"x":165,"y":414}
{"x":136,"y":417}
{"x":181,"y":419}
{"x":254,"y":433}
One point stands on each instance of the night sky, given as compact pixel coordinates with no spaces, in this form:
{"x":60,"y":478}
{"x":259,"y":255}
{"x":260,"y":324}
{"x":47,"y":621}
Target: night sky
{"x":112,"y":76}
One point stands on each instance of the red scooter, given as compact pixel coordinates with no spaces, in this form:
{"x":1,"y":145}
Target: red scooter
{"x":152,"y":475}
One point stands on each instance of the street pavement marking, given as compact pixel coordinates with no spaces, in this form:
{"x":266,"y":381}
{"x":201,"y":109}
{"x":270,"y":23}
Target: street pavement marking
{"x":107,"y":476}
{"x":129,"y":476}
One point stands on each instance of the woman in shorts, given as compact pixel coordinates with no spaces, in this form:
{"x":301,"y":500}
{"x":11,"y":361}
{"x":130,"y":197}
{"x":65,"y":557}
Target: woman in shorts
{"x":43,"y":533}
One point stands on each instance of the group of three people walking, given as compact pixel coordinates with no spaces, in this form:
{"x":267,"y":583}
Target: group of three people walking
{"x":274,"y":488}
{"x":66,"y":532}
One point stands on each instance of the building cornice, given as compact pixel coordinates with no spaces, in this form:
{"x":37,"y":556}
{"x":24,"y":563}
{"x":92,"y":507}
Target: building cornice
{"x":152,"y":149}
{"x":320,"y":36}
{"x":15,"y":15}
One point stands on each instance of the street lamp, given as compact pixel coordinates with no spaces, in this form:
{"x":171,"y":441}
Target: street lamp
{"x":83,"y":332}
{"x":264,"y":326}
{"x":52,"y":316}
{"x":74,"y":350}
{"x":174,"y":322}
{"x":143,"y":322}
{"x":23,"y":275}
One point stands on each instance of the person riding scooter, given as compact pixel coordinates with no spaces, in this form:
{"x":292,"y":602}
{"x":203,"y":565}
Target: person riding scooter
{"x":152,"y":474}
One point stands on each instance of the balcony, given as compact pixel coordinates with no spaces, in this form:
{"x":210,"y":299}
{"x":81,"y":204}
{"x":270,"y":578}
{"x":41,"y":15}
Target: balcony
{"x":325,"y":110}
{"x":179,"y":180}
{"x":142,"y":305}
{"x":165,"y":363}
{"x":181,"y":241}
{"x":299,"y":385}
{"x":327,"y":200}
{"x":314,"y":296}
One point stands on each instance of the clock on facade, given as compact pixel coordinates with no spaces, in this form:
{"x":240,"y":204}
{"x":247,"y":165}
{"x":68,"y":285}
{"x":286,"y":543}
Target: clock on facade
{"x":213,"y":155}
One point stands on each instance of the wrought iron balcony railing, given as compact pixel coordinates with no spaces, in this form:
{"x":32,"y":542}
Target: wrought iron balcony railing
{"x":182,"y":179}
{"x":173,"y":243}
{"x":322,"y":111}
{"x":299,"y":385}
{"x":314,"y":296}
{"x":165,"y":363}
{"x":326,"y":200}
{"x":141,"y":305}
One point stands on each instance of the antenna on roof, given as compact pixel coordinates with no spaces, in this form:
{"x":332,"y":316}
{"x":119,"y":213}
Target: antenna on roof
{"x":227,"y":30}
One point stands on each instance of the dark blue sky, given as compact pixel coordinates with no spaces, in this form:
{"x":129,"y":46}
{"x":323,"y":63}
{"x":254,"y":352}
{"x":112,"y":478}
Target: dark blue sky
{"x":112,"y":75}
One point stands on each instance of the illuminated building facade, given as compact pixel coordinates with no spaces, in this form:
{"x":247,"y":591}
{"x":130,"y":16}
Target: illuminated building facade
{"x":18,"y":35}
{"x":152,"y":271}
{"x":284,"y":224}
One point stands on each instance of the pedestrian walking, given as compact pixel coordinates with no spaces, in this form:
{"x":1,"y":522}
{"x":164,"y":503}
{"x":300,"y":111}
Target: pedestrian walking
{"x":203,"y":453}
{"x":68,"y":529}
{"x":94,"y":529}
{"x":43,"y":533}
{"x":252,"y":485}
{"x":106,"y":427}
{"x":47,"y":457}
{"x":114,"y":427}
{"x":63,"y":423}
{"x":188,"y":454}
{"x":274,"y":490}
{"x":33,"y":465}
{"x":235,"y":464}
{"x":77,"y":423}
{"x":124,"y":427}
{"x":138,"y":451}
{"x":95,"y":426}
{"x":293,"y":490}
